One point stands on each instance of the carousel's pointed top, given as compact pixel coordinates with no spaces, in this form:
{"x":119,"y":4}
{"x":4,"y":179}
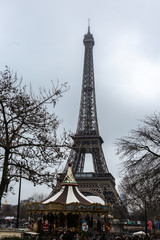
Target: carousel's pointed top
{"x":69,"y":178}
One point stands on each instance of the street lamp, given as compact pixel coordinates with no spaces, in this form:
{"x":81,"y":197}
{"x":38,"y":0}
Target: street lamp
{"x":145,"y":214}
{"x":19,"y":197}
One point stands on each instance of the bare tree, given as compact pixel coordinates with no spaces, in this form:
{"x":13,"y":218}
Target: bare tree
{"x":140,"y":153}
{"x":28,"y":133}
{"x":140,"y":150}
{"x":140,"y":195}
{"x":36,"y":197}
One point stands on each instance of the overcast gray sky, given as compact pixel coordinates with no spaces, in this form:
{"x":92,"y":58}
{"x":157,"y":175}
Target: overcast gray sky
{"x":43,"y":40}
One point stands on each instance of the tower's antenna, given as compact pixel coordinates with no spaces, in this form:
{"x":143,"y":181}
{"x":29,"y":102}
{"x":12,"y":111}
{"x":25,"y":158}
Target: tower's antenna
{"x":88,"y":25}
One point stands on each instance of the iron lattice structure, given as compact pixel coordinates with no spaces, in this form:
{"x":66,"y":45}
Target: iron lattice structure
{"x":87,"y":138}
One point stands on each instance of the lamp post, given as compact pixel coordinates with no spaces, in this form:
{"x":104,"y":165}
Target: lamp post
{"x":145,"y":214}
{"x":19,"y":198}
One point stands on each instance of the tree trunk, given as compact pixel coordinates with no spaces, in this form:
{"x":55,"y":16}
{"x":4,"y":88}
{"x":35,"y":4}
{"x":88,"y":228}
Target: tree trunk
{"x":4,"y":180}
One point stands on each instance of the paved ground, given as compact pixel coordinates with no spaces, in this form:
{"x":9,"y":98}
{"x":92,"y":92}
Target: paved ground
{"x":9,"y":233}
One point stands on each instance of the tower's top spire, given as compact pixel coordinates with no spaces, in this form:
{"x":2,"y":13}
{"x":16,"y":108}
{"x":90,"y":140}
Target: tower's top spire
{"x":88,"y":38}
{"x":88,"y":25}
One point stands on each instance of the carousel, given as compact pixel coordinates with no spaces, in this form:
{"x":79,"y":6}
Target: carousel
{"x":68,"y":211}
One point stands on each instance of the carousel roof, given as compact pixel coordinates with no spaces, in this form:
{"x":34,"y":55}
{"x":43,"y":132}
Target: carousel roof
{"x":68,"y":200}
{"x":69,"y":192}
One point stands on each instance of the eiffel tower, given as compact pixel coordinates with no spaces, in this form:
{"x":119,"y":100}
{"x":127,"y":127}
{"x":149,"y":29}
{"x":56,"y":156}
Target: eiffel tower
{"x":88,"y":141}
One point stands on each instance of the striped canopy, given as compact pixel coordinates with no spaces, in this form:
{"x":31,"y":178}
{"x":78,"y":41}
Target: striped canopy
{"x":69,"y":192}
{"x":68,"y":200}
